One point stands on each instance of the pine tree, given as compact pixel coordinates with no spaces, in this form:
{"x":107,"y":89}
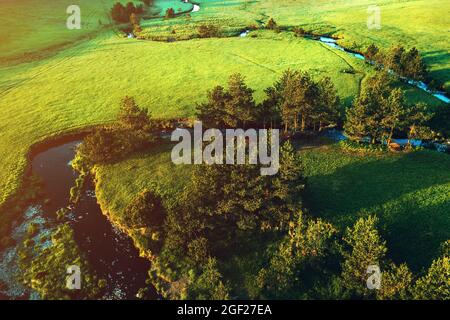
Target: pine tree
{"x":435,"y":284}
{"x":363,"y":248}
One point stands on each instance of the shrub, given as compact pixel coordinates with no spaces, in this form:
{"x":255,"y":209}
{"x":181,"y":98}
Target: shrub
{"x":208,"y":31}
{"x":170,"y":13}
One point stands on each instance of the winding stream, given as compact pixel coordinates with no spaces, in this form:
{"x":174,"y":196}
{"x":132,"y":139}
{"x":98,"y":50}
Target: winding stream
{"x":333,"y":44}
{"x":109,"y":252}
{"x":419,"y":84}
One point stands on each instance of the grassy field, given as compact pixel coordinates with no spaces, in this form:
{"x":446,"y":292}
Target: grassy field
{"x":117,"y":184}
{"x":420,"y":23}
{"x":32,"y":29}
{"x":410,"y":193}
{"x":84,"y":85}
{"x":74,"y":78}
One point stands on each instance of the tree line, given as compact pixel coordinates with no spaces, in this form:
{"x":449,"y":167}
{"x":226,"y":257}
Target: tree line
{"x":405,"y":63}
{"x":381,"y":110}
{"x":295,"y":102}
{"x":132,"y":131}
{"x":123,"y":14}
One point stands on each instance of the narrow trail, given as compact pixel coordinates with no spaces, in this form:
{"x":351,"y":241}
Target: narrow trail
{"x":253,"y":62}
{"x":335,"y":52}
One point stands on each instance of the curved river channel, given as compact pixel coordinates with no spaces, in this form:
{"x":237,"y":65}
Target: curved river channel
{"x":109,"y":252}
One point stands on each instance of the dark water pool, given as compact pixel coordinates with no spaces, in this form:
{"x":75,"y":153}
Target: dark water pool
{"x":109,"y":252}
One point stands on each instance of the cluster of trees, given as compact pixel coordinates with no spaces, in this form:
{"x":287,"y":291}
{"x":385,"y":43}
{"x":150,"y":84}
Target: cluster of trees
{"x":404,"y":63}
{"x":131,"y":132}
{"x":122,"y":14}
{"x":301,"y":102}
{"x":222,"y":203}
{"x":225,"y":206}
{"x":381,"y":110}
{"x":315,"y":261}
{"x":296,"y":101}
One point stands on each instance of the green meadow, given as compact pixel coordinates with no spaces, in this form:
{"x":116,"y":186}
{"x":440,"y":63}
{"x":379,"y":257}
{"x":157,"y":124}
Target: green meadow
{"x":84,"y":84}
{"x":53,"y":80}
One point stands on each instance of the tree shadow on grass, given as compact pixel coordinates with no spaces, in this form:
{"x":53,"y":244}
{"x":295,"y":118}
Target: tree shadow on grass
{"x":410,"y":193}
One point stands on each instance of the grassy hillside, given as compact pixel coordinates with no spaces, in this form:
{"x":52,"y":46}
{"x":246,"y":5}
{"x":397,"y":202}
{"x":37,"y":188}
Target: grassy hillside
{"x":89,"y":70}
{"x":419,"y":23}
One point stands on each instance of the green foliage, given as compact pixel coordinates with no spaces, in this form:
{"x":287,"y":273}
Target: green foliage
{"x":145,"y":211}
{"x":77,"y":189}
{"x":360,"y":147}
{"x":234,"y":108}
{"x":440,"y":120}
{"x":396,"y":283}
{"x":296,"y":95}
{"x":131,"y":133}
{"x":208,"y":285}
{"x":363,"y":248}
{"x":435,"y":284}
{"x":299,"y":257}
{"x":45,"y":271}
{"x":381,"y":110}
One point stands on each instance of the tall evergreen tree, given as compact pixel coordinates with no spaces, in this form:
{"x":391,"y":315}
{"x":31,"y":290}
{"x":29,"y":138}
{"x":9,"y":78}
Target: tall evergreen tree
{"x":363,"y":248}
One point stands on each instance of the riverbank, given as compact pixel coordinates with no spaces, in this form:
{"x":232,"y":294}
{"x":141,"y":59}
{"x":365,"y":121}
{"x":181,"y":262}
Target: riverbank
{"x":106,"y":251}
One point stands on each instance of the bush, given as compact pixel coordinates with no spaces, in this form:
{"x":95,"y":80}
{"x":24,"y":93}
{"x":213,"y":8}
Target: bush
{"x":208,"y":31}
{"x":271,"y":24}
{"x":361,"y":147}
{"x":146,"y":210}
{"x":299,"y":32}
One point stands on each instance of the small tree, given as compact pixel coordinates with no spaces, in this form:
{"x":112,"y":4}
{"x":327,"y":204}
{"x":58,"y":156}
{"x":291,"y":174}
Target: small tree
{"x":435,"y":285}
{"x":208,"y":31}
{"x":299,"y":32}
{"x":413,"y":65}
{"x":135,"y":22}
{"x":131,"y":116}
{"x":416,"y":121}
{"x":396,"y":283}
{"x":170,"y":13}
{"x":364,"y":247}
{"x":271,"y":24}
{"x":394,"y":114}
